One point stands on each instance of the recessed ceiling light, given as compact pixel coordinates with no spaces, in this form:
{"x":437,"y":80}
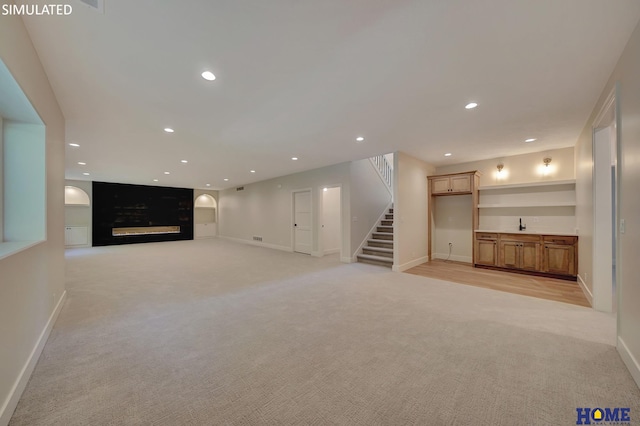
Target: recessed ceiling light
{"x":74,"y":145}
{"x":155,"y":180}
{"x":86,"y":174}
{"x":208,"y":75}
{"x":184,"y":161}
{"x":448,"y":154}
{"x":226,"y":180}
{"x":253,"y":171}
{"x":359,"y":139}
{"x":471,"y":105}
{"x":167,"y":173}
{"x":168,"y":130}
{"x":294,"y":158}
{"x":325,"y":189}
{"x":530,"y":140}
{"x":208,"y":184}
{"x":81,"y":163}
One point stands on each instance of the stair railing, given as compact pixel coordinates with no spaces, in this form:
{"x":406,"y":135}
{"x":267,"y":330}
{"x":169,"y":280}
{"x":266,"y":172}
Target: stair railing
{"x":384,"y":170}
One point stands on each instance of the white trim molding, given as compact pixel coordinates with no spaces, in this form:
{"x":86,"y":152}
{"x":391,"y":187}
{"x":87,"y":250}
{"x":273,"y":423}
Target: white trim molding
{"x":409,"y":265}
{"x":10,"y":404}
{"x":585,"y":290}
{"x":629,"y":360}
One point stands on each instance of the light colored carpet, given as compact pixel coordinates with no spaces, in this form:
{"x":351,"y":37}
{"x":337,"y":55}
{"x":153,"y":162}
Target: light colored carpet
{"x":212,"y":332}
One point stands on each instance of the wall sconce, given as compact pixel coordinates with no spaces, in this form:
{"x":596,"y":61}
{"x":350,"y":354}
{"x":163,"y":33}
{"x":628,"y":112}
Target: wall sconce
{"x":546,"y":169}
{"x":546,"y":161}
{"x":500,"y":167}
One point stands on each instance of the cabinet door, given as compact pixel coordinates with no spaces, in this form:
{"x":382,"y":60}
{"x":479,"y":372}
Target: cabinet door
{"x":530,"y":256}
{"x":559,"y":259}
{"x":486,"y":252}
{"x":460,"y":183}
{"x":509,"y":254}
{"x":440,"y":185}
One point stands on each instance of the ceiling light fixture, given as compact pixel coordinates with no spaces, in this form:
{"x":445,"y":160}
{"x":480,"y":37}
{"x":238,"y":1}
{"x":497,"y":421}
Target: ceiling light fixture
{"x":530,"y":140}
{"x":86,"y":174}
{"x":168,"y":130}
{"x":155,"y":180}
{"x":184,"y":161}
{"x":325,"y":189}
{"x":294,"y":158}
{"x":167,"y":173}
{"x":208,"y":75}
{"x":226,"y":180}
{"x":359,"y":139}
{"x":252,"y":171}
{"x":471,"y":105}
{"x":75,"y":145}
{"x":448,"y":154}
{"x":81,"y":163}
{"x":208,"y":184}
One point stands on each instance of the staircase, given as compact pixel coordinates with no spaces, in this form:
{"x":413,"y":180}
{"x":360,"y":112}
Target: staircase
{"x":379,"y":249}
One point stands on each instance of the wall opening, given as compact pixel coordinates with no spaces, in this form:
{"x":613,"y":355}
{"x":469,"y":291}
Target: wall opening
{"x":205,"y":216}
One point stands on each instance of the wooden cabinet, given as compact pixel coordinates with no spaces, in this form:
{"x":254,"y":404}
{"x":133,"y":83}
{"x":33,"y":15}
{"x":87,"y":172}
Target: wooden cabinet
{"x":538,"y":254}
{"x":560,"y":255}
{"x":520,"y":252}
{"x":451,"y":184}
{"x":486,"y":249}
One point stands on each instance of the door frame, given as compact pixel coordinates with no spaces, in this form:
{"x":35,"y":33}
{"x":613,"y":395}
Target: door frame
{"x":607,"y":117}
{"x":293,"y":217}
{"x":320,"y":251}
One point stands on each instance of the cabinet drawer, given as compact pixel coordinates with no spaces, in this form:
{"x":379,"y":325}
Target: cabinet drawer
{"x":523,"y":238}
{"x":555,"y":239}
{"x":486,"y":236}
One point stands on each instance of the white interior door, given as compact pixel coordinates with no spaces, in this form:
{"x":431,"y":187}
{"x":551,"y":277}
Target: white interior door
{"x":302,"y":222}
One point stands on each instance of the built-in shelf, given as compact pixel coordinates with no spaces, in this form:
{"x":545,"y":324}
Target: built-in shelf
{"x":528,"y":185}
{"x":518,"y":205}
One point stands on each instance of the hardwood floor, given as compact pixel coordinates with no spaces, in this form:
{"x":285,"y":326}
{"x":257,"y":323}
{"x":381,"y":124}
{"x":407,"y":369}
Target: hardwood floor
{"x":527,"y":285}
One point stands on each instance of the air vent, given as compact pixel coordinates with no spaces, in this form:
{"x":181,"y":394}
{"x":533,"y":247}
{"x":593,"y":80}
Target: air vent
{"x":95,"y":4}
{"x":257,"y":238}
{"x":240,"y":188}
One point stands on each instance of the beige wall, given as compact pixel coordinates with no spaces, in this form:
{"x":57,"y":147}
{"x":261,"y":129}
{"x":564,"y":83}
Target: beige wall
{"x":453,"y":224}
{"x":410,"y":211}
{"x":627,"y":74}
{"x":32,"y":281}
{"x":265,"y":208}
{"x":524,"y":168}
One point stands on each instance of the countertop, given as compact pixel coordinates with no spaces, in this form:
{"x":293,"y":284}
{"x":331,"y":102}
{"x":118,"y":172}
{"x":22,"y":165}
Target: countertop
{"x":515,"y":231}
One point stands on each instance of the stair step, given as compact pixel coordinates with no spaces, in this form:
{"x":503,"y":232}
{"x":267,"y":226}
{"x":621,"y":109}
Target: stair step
{"x":383,"y":236}
{"x":375,"y":260}
{"x":386,"y":229}
{"x":388,"y":216}
{"x":380,"y":243}
{"x":378,"y":251}
{"x":391,"y":211}
{"x":386,"y":222}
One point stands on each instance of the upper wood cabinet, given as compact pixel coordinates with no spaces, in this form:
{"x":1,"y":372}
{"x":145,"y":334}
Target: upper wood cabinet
{"x":451,"y":184}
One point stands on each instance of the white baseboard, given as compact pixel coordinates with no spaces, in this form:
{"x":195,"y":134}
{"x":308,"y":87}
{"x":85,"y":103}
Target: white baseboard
{"x":332,"y":251}
{"x":585,"y":290}
{"x":258,"y":244}
{"x":455,"y":258}
{"x":409,"y":265}
{"x":629,"y":360}
{"x":10,"y":404}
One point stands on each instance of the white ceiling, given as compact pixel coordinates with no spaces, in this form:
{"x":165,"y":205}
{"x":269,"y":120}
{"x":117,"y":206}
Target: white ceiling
{"x":304,"y":78}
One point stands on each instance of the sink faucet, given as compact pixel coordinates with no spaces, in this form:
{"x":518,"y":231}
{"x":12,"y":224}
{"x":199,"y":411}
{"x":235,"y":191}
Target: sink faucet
{"x":522,"y":227}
